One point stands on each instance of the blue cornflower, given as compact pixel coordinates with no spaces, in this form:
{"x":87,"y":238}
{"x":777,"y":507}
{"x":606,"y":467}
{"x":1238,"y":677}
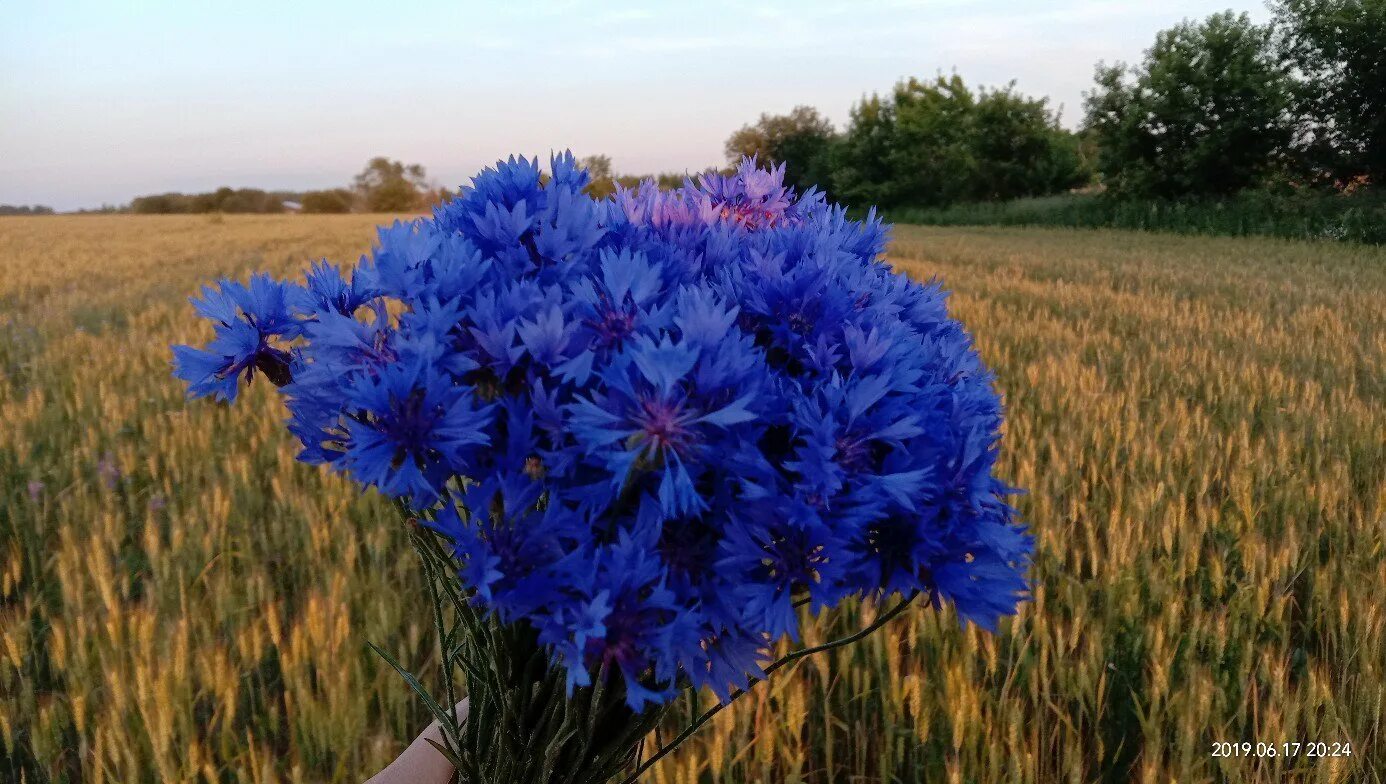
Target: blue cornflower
{"x":328,"y":290}
{"x":623,"y":300}
{"x":649,"y":426}
{"x":778,"y":554}
{"x":409,"y":429}
{"x":624,"y":622}
{"x":247,"y":321}
{"x":651,"y":419}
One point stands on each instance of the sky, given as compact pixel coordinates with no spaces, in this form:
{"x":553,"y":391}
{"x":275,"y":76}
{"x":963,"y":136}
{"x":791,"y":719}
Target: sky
{"x":102,"y":101}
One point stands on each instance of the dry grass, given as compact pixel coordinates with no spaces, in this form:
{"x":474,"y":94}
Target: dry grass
{"x":1200,"y":423}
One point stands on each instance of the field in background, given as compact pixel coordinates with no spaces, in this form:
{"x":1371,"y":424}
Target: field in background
{"x":1199,"y":422}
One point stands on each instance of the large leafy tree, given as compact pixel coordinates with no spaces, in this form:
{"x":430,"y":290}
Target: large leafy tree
{"x":1205,"y":113}
{"x":932,"y":156}
{"x":1339,"y":49}
{"x":603,"y":182}
{"x":392,"y":186}
{"x":801,"y":140}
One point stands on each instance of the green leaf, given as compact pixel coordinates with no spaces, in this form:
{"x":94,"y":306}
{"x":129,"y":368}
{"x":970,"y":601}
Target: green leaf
{"x":445,"y":718}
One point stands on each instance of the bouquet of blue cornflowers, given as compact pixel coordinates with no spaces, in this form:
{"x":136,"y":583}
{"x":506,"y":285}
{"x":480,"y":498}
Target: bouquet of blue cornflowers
{"x":637,"y":434}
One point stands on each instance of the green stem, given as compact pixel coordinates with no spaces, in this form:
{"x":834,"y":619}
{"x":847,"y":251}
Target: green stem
{"x":777,"y":664}
{"x":431,"y":576}
{"x":443,"y":648}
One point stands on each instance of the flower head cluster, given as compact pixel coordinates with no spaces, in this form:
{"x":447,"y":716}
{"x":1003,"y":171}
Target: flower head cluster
{"x":653,"y":425}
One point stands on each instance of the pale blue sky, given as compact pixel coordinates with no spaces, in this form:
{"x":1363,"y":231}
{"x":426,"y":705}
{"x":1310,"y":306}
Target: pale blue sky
{"x":100,"y":102}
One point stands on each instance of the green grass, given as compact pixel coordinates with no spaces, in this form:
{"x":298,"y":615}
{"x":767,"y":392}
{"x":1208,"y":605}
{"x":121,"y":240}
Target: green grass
{"x":1198,"y":421}
{"x":1352,"y":218}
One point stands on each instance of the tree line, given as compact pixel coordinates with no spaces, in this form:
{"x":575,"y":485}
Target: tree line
{"x":234,"y":200}
{"x":928,"y":142}
{"x":1215,"y":107}
{"x":25,"y":209}
{"x":384,"y":185}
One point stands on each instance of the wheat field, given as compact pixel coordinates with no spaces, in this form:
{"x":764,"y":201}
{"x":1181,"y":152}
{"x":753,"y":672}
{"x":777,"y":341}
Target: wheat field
{"x":1201,"y":424}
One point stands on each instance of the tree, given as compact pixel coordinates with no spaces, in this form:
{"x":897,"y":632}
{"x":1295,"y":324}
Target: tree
{"x":336,"y":200}
{"x":862,"y":167}
{"x":932,"y":154}
{"x":603,"y":181}
{"x":391,"y":186}
{"x":438,"y":196}
{"x":1339,"y":49}
{"x":1206,"y":113}
{"x":935,"y":142}
{"x":801,"y":140}
{"x":1020,"y":149}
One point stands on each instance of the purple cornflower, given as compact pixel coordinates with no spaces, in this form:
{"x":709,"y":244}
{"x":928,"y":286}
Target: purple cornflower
{"x":108,"y":471}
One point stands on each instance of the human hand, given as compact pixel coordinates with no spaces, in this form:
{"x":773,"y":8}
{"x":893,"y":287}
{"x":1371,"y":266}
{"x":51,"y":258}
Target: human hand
{"x":421,"y":763}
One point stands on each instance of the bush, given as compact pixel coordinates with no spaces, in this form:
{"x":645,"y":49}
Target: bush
{"x":1305,"y":214}
{"x":336,"y":200}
